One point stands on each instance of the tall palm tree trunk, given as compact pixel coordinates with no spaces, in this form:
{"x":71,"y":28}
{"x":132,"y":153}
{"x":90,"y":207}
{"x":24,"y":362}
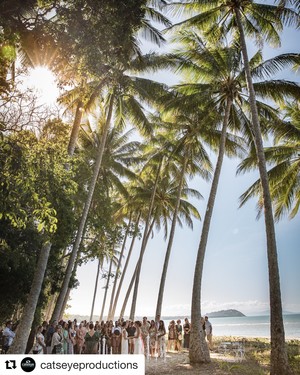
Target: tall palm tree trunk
{"x":171,"y":239}
{"x":84,"y":214}
{"x":279,"y":359}
{"x":75,"y":128}
{"x":144,"y":243}
{"x":110,"y":313}
{"x":50,"y":307}
{"x":125,"y":268}
{"x":106,"y":289}
{"x":95,"y":290}
{"x":199,"y":351}
{"x":134,"y":276}
{"x":22,"y":334}
{"x":66,"y":298}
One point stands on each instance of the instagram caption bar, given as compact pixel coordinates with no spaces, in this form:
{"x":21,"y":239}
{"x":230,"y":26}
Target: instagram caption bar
{"x":85,"y":364}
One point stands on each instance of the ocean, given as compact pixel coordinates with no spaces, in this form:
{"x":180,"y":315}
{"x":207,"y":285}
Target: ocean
{"x":251,"y":326}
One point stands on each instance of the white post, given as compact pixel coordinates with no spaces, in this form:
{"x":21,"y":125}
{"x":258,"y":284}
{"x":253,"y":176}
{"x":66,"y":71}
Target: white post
{"x":104,"y":345}
{"x":148,"y":348}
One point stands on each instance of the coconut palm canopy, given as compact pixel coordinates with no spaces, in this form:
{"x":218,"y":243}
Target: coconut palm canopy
{"x":110,"y":180}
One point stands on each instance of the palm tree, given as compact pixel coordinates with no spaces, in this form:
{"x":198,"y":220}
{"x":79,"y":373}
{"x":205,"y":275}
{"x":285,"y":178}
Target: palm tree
{"x":192,"y":159}
{"x":86,"y":209}
{"x":119,"y":154}
{"x":203,"y":64}
{"x":144,"y":190}
{"x":95,"y":288}
{"x":155,"y":165}
{"x":164,"y":205}
{"x":111,"y":311}
{"x":284,"y":173}
{"x":217,"y":19}
{"x":220,"y":76}
{"x":19,"y":344}
{"x":83,"y":97}
{"x":124,"y":96}
{"x":145,"y":238}
{"x":113,"y":260}
{"x":117,"y":294}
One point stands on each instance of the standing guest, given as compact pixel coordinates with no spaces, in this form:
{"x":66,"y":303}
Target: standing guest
{"x":172,"y":335}
{"x":202,"y":322}
{"x":65,"y":335}
{"x":71,"y":340}
{"x":179,"y":335}
{"x":186,"y":333}
{"x":131,"y":333}
{"x":108,"y":336}
{"x":56,"y":342}
{"x":138,"y":342}
{"x":161,"y":342}
{"x":8,"y":335}
{"x":79,"y":338}
{"x":44,"y":328}
{"x":102,"y":341}
{"x":84,"y":329}
{"x":208,"y":330}
{"x":116,"y":338}
{"x":157,"y":320}
{"x":91,"y":340}
{"x":124,"y":341}
{"x":39,"y":347}
{"x":145,"y":335}
{"x":152,"y":338}
{"x":98,"y":328}
{"x":49,"y":334}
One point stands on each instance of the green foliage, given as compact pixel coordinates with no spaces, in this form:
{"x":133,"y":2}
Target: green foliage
{"x":18,"y":252}
{"x":32,"y":172}
{"x":95,"y":37}
{"x":38,"y":194}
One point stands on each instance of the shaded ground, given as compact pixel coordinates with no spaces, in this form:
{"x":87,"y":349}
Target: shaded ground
{"x":255,"y":362}
{"x":178,"y":363}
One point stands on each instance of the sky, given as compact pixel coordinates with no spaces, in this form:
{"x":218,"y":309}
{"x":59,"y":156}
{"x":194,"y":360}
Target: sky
{"x":235,"y":269}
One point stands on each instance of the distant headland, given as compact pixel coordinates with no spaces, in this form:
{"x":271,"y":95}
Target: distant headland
{"x":225,"y":314}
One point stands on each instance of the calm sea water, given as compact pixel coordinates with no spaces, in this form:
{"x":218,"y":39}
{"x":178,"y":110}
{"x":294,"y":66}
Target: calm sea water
{"x":252,"y":326}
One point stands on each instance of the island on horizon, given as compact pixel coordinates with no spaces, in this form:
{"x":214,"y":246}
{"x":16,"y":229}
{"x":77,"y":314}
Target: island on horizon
{"x":231,"y":313}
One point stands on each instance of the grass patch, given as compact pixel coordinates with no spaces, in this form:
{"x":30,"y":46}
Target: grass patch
{"x":257,"y":356}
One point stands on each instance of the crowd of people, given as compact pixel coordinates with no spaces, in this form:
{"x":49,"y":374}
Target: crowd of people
{"x":146,"y":337}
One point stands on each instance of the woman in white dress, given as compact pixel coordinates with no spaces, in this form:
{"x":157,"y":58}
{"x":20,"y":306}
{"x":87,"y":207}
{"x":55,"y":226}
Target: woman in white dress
{"x":39,"y":345}
{"x":138,"y":341}
{"x":71,"y":341}
{"x":124,"y":340}
{"x":56,"y":342}
{"x":161,"y":339}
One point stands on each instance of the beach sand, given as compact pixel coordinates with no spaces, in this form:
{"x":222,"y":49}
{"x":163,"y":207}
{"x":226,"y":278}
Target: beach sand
{"x":178,"y":363}
{"x":255,"y":360}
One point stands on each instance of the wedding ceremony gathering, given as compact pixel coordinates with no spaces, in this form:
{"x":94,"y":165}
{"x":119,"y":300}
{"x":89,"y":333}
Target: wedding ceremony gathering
{"x":149,"y":186}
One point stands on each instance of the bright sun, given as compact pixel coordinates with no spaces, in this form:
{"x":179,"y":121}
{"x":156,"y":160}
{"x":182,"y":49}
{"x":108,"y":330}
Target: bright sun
{"x":42,"y":80}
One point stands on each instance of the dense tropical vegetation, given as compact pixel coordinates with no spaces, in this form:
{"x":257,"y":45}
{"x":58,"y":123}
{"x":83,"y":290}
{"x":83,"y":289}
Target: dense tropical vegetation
{"x":76,"y":185}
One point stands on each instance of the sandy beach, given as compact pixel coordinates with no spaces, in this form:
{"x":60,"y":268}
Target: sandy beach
{"x":179,"y":363}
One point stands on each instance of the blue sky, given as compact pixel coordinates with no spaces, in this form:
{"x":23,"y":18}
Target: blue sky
{"x":235,"y":269}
